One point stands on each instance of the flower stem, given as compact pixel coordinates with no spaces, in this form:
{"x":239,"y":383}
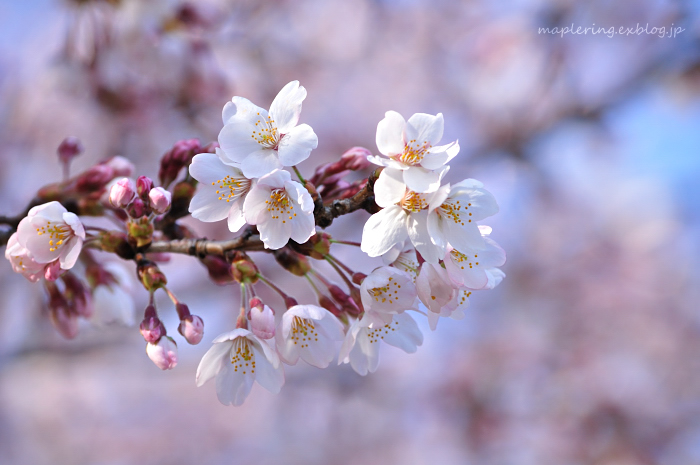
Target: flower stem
{"x":301,"y":178}
{"x":272,"y":286}
{"x":312,"y":284}
{"x":340,"y":271}
{"x":335,"y":241}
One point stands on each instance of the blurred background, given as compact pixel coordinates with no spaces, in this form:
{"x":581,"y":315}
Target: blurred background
{"x":588,"y":352}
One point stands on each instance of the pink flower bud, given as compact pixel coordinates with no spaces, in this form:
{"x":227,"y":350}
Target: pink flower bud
{"x":137,"y":208}
{"x":151,"y":327}
{"x":262,"y":321}
{"x":192,"y":329}
{"x":68,"y":149}
{"x":163,"y":353}
{"x":121,"y":166}
{"x":122,"y":193}
{"x":160,"y":200}
{"x":356,"y":158}
{"x":144,"y":184}
{"x":94,"y":179}
{"x":65,"y":321}
{"x":53,"y":271}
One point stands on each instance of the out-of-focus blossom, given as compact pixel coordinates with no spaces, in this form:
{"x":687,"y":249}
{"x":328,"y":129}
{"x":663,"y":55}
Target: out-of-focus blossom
{"x":237,"y":359}
{"x":361,"y":345}
{"x":69,"y":148}
{"x":262,"y":142}
{"x":121,"y":166}
{"x":281,"y":208}
{"x":112,"y":298}
{"x":356,"y":158}
{"x":50,"y":232}
{"x":413,"y":158}
{"x":163,"y":353}
{"x":308,"y":332}
{"x":221,"y":193}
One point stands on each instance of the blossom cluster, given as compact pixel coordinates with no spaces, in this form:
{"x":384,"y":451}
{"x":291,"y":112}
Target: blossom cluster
{"x":434,"y":253}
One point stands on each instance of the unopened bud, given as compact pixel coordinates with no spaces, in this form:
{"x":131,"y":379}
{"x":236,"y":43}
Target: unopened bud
{"x":53,"y":271}
{"x":358,"y":277}
{"x":78,"y":295}
{"x":144,"y":184}
{"x":244,"y":271}
{"x":137,"y":208}
{"x":356,"y":158}
{"x":183,"y":192}
{"x":289,"y":301}
{"x":338,"y":294}
{"x":122,"y":193}
{"x":94,"y":179}
{"x":292,"y":261}
{"x":159,"y":199}
{"x":328,"y":304}
{"x":141,"y":231}
{"x":116,"y":242}
{"x":192,"y":329}
{"x":163,"y":353}
{"x":69,"y":148}
{"x":262,"y":321}
{"x":219,"y":270}
{"x":121,"y":166}
{"x":151,"y":276}
{"x":177,"y":158}
{"x":151,"y":327}
{"x":64,"y":320}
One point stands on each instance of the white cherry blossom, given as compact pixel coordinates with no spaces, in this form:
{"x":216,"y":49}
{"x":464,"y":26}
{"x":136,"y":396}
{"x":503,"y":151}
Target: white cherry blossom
{"x":281,"y":208}
{"x":308,"y":332}
{"x":476,"y":268}
{"x":361,"y":345}
{"x":50,"y":232}
{"x":454,"y":211}
{"x":440,"y":295}
{"x":22,"y":261}
{"x":262,"y":141}
{"x":237,"y":359}
{"x":411,"y":151}
{"x":221,"y":190}
{"x":387,"y":291}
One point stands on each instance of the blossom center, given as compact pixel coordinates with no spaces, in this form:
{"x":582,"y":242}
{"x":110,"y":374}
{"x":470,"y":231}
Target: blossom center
{"x":414,"y":202}
{"x":265,"y":133}
{"x":463,"y":260}
{"x":280,"y":205}
{"x":303,"y":330}
{"x":388,"y":292}
{"x":237,"y":187}
{"x":243,"y":357}
{"x":454,"y":210}
{"x":413,"y":152}
{"x":375,"y":334}
{"x":58,"y":233}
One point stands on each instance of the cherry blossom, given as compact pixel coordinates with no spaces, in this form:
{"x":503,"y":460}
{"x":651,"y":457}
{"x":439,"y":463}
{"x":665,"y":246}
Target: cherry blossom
{"x":50,"y":232}
{"x":476,"y":268}
{"x":361,"y":344}
{"x":412,"y":155}
{"x":222,"y":190}
{"x":237,"y":359}
{"x":262,"y":141}
{"x":22,"y":261}
{"x":440,"y":295}
{"x":163,"y":353}
{"x":281,"y":208}
{"x":387,"y":291}
{"x":308,"y":332}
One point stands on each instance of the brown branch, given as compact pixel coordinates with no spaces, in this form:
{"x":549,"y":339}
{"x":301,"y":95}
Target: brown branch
{"x":364,"y":199}
{"x":203,"y":247}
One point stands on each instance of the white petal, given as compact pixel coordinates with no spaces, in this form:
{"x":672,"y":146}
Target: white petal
{"x":236,"y":220}
{"x":383,"y":230}
{"x":260,"y":163}
{"x":462,"y":237}
{"x":254,"y":207}
{"x":303,"y":226}
{"x":208,"y":168}
{"x":274,"y":233}
{"x":72,"y":220}
{"x":299,"y":195}
{"x":243,"y":109}
{"x":266,"y":374}
{"x":407,"y":336}
{"x":424,"y":128}
{"x":212,"y":362}
{"x":232,"y":387}
{"x":276,"y":178}
{"x":418,"y":232}
{"x":237,"y":142}
{"x":421,"y":180}
{"x":389,"y":188}
{"x":390,"y":134}
{"x":70,"y":252}
{"x":495,"y":276}
{"x":206,"y":206}
{"x":286,"y":107}
{"x":297,"y":144}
